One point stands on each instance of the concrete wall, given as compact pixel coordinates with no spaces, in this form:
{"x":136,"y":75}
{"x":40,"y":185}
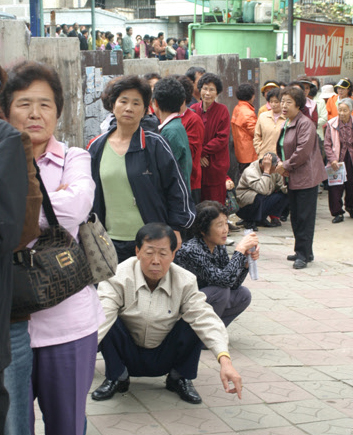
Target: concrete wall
{"x":282,"y":71}
{"x":16,"y":33}
{"x":16,"y":7}
{"x":98,"y":68}
{"x":64,"y":55}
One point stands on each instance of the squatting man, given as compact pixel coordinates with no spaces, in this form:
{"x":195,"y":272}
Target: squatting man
{"x":157,"y":320}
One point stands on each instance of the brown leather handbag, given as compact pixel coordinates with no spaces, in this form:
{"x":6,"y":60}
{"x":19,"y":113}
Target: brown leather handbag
{"x":54,"y":269}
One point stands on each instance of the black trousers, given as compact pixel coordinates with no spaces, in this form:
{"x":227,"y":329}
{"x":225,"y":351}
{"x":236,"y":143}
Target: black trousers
{"x":124,"y":249}
{"x":180,"y":350}
{"x":4,"y":403}
{"x":335,"y":192}
{"x":263,"y":206}
{"x":302,"y":203}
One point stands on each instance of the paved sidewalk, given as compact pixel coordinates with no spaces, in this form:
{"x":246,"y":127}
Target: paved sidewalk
{"x":293,"y":348}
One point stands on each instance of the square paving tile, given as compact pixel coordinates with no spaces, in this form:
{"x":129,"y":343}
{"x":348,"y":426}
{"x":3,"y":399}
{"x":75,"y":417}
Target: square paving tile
{"x":162,"y":399}
{"x":257,"y":373}
{"x":214,"y":395}
{"x":301,"y":374}
{"x":338,"y":372}
{"x":342,"y":405}
{"x":306,"y":411}
{"x":128,"y":424}
{"x":191,"y":422}
{"x":118,"y":404}
{"x":328,"y":389}
{"x":319,"y":357}
{"x":251,"y":342}
{"x":332,"y":427}
{"x":250,"y":417}
{"x":291,"y":341}
{"x":331,"y":340}
{"x":288,"y":430}
{"x":276,"y":392}
{"x":271,"y":357}
{"x":307,"y":326}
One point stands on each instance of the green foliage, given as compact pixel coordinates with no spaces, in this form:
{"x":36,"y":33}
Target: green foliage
{"x":324,"y":11}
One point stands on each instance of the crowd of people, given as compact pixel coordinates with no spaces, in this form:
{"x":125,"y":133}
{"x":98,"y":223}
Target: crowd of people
{"x":157,"y":179}
{"x":144,"y":47}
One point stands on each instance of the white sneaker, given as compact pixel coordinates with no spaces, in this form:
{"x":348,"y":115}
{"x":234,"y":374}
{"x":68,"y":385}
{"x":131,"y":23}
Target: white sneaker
{"x":229,"y":242}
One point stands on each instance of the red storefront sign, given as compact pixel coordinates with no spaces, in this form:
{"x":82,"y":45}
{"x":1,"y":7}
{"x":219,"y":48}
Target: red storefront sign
{"x":321,"y":48}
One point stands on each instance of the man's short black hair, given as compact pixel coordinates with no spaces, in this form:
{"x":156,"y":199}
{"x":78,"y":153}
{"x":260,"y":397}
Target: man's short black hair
{"x":151,"y":76}
{"x":245,"y":92}
{"x":169,"y":94}
{"x":160,"y":34}
{"x":193,"y":70}
{"x":156,"y":231}
{"x":84,"y":31}
{"x":208,"y":78}
{"x":128,"y":28}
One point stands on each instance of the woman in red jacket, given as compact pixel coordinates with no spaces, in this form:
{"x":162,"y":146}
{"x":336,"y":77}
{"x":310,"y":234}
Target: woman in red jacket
{"x":215,"y":153}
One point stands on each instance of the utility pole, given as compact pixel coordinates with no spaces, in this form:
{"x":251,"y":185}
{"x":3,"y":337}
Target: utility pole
{"x":290,"y":31}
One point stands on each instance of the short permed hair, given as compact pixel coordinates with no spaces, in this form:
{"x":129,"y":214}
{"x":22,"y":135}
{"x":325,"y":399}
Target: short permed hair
{"x":193,"y":70}
{"x":22,"y":75}
{"x":169,"y":94}
{"x":296,"y":94}
{"x":208,"y":78}
{"x":118,"y":85}
{"x":245,"y":92}
{"x":187,"y":85}
{"x":206,"y":212}
{"x":273,"y":93}
{"x":150,"y":76}
{"x":156,"y":231}
{"x":297,"y":83}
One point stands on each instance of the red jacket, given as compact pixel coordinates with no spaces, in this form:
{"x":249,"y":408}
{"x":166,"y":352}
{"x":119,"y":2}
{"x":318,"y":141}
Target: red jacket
{"x":196,"y":131}
{"x":216,"y":142}
{"x":243,"y":128}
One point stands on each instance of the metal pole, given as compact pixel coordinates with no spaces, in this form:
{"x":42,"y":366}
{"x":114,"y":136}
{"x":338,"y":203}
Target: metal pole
{"x":290,"y":30}
{"x":93,"y":14}
{"x":41,"y":14}
{"x":35,"y":17}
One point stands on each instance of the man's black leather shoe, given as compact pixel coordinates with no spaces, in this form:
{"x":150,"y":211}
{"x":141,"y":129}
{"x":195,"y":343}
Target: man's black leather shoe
{"x":265,"y":223}
{"x":184,"y":388}
{"x":295,"y":257}
{"x":109,"y":388}
{"x":299,"y":264}
{"x":250,"y":226}
{"x":337,"y":219}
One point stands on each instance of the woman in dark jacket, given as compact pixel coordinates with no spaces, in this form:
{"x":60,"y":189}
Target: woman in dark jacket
{"x":137,"y":177}
{"x":301,"y":162}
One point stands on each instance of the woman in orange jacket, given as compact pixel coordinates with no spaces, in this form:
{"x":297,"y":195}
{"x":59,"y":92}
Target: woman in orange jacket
{"x":343,"y":89}
{"x":243,"y":126}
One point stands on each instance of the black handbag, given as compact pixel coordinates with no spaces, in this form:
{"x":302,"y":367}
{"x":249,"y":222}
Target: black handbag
{"x":54,"y":269}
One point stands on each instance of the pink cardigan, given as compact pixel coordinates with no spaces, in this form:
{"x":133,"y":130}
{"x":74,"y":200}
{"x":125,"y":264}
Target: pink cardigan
{"x":81,"y":314}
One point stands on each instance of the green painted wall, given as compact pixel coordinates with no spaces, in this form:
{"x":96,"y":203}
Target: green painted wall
{"x":235,"y":38}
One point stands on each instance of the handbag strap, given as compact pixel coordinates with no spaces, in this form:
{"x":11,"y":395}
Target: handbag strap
{"x":48,"y":208}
